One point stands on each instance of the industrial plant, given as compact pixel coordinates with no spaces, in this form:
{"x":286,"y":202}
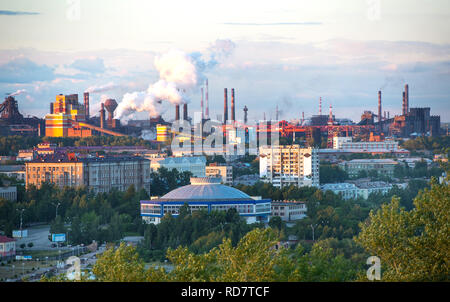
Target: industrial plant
{"x":68,"y":117}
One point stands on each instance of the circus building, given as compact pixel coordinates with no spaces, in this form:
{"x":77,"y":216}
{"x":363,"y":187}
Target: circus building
{"x":208,"y":194}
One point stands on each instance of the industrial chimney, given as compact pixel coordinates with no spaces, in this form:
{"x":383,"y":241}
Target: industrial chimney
{"x":185,"y":112}
{"x":51,"y":108}
{"x":245,"y":114}
{"x":207,"y":104}
{"x":177,"y":112}
{"x":380,"y":117}
{"x":225,"y":106}
{"x":201,"y":104}
{"x":102,"y":116}
{"x":406,"y":99}
{"x":233,"y":117}
{"x":404,"y":104}
{"x":86,"y":105}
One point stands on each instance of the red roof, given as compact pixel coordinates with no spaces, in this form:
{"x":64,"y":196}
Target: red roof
{"x":6,"y":239}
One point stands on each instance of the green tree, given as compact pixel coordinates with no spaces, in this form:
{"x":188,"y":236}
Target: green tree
{"x":412,"y":245}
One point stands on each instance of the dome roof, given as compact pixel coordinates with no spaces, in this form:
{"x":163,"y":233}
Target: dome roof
{"x":205,"y":188}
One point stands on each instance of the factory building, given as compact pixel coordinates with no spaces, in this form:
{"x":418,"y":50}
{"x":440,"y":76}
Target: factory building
{"x":68,"y":118}
{"x":207,"y":194}
{"x":12,"y":121}
{"x":346,"y":143}
{"x":289,"y":165}
{"x":101,"y":174}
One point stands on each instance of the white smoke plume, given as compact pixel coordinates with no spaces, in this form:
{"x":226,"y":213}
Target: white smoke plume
{"x":20,"y":91}
{"x":179,"y":73}
{"x":102,"y":88}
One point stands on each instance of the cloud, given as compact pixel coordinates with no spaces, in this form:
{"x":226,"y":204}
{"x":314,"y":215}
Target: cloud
{"x":272,"y":24}
{"x":89,"y":65}
{"x":16,"y":13}
{"x":23,"y":70}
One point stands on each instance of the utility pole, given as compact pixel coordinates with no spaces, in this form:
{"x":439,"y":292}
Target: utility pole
{"x":312,"y":227}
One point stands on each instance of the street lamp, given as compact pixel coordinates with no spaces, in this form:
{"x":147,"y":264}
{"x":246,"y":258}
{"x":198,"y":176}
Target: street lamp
{"x":21,"y":214}
{"x":56,"y":205}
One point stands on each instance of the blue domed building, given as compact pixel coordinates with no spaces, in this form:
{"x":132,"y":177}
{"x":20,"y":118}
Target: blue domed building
{"x":206,"y":193}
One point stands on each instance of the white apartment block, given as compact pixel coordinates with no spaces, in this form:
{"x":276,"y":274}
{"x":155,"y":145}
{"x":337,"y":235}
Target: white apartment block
{"x":289,"y":165}
{"x":346,"y":143}
{"x":361,"y":189}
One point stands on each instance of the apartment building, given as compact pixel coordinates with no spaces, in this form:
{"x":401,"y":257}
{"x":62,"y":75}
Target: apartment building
{"x":223,"y":171}
{"x":289,"y":165}
{"x":99,"y":173}
{"x":382,"y":166}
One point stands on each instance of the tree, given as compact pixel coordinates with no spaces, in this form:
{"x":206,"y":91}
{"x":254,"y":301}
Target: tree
{"x":412,"y":245}
{"x":120,"y":265}
{"x":275,"y":222}
{"x":30,"y":245}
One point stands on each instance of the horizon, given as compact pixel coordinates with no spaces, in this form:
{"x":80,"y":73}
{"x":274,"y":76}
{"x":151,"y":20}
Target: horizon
{"x":286,"y":56}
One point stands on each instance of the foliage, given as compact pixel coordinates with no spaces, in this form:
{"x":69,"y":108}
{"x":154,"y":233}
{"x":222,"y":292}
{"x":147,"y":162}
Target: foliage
{"x":412,"y":245}
{"x":331,"y":174}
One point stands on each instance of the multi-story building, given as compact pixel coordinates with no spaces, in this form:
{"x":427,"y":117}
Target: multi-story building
{"x":368,"y":187}
{"x":9,"y":193}
{"x":99,"y":173}
{"x":289,"y":210}
{"x":382,"y":166}
{"x":194,"y":164}
{"x":289,"y":165}
{"x":223,"y":171}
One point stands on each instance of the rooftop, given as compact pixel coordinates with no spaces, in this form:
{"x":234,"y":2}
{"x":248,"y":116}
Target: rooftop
{"x":4,"y":239}
{"x":205,"y":188}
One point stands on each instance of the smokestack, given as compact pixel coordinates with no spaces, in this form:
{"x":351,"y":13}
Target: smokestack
{"x":404,"y":104}
{"x":303,"y":117}
{"x":86,"y":105}
{"x":379,"y":107}
{"x":232,"y":105}
{"x":388,"y":114}
{"x":245,"y":114}
{"x":102,"y":116}
{"x":185,"y":112}
{"x":201,"y":103}
{"x":330,"y":118}
{"x":320,"y":106}
{"x":207,"y":104}
{"x":225,"y":106}
{"x":51,"y":108}
{"x":406,"y":99}
{"x":177,"y":112}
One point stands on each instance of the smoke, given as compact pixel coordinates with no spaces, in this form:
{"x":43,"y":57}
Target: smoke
{"x":20,"y":91}
{"x":102,"y":88}
{"x":179,"y":74}
{"x":392,"y":80}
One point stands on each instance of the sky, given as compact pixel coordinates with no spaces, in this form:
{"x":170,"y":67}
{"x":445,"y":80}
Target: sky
{"x":285,"y":53}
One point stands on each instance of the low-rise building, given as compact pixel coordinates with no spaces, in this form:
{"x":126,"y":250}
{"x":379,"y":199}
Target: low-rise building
{"x":346,"y":190}
{"x":289,"y":210}
{"x":9,"y":193}
{"x":13,"y":171}
{"x":347,"y":143}
{"x":99,"y":173}
{"x":357,"y":189}
{"x":223,"y":171}
{"x":194,"y":164}
{"x":382,"y":166}
{"x":7,"y":247}
{"x":25,"y":155}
